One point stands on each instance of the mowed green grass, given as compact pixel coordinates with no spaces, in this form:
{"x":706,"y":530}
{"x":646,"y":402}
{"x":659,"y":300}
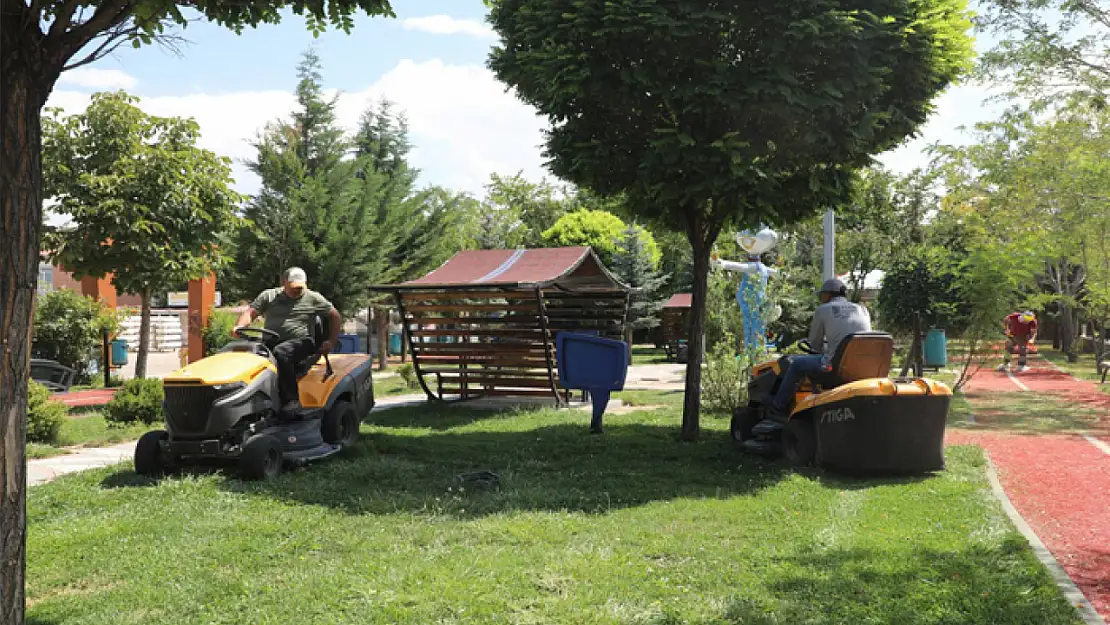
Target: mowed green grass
{"x":88,"y":429}
{"x":630,"y":527}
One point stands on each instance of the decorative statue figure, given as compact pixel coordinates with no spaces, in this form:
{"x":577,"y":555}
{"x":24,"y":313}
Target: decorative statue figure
{"x":753,"y":283}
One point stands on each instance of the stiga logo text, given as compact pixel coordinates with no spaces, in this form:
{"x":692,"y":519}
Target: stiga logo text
{"x":838,"y":415}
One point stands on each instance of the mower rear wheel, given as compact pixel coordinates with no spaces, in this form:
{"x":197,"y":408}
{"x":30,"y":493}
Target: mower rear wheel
{"x":743,"y":420}
{"x":261,"y":458}
{"x":799,"y":441}
{"x":150,"y":459}
{"x":340,"y":425}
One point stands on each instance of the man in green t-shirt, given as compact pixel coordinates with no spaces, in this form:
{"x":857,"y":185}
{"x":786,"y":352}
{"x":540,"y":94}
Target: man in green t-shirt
{"x":290,"y":310}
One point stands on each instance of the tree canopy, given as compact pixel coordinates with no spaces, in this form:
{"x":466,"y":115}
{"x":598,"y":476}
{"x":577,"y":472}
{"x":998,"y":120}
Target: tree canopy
{"x":707,"y":114}
{"x":146,"y":203}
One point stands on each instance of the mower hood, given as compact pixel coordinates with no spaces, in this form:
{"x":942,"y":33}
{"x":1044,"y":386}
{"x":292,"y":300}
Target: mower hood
{"x":222,"y":368}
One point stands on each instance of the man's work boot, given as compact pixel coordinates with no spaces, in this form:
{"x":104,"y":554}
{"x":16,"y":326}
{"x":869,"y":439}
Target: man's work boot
{"x":290,"y":408}
{"x":1022,"y":369}
{"x":1004,"y":366}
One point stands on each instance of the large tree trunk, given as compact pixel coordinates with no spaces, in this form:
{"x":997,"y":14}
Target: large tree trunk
{"x":701,"y":240}
{"x":1067,"y":333}
{"x":22,"y":95}
{"x":144,"y":336}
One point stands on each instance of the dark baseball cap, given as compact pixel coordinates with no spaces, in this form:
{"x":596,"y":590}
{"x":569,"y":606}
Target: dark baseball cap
{"x":832,"y":285}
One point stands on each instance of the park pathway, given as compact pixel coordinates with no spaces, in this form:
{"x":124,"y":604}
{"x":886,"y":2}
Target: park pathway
{"x":1060,"y":483}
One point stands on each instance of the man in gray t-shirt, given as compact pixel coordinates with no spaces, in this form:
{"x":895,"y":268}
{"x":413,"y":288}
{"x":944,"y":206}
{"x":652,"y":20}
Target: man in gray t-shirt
{"x":290,"y":310}
{"x":833,"y":320}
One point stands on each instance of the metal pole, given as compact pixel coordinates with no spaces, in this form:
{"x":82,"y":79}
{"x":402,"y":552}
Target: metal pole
{"x":829,"y":246}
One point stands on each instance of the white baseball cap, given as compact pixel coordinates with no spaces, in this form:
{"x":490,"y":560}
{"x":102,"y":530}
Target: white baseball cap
{"x":296,"y":277}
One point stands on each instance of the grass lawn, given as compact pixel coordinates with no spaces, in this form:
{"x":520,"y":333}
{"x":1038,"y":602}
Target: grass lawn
{"x":87,"y":430}
{"x":632,"y":527}
{"x":1024,"y":413}
{"x":1085,"y":369}
{"x":648,"y":355}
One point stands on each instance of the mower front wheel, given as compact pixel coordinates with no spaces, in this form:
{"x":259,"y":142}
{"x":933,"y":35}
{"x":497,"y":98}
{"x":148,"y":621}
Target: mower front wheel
{"x":150,"y":458}
{"x":261,"y":458}
{"x":340,"y":425}
{"x":799,"y":441}
{"x":743,"y":420}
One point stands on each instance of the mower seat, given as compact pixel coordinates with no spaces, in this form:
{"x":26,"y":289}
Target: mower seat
{"x":859,"y":356}
{"x":319,"y":335}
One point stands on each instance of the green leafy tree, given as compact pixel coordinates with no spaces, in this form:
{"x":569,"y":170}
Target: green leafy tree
{"x":1047,"y":47}
{"x":1043,"y":182}
{"x":599,"y":230}
{"x":634,"y":265}
{"x":38,"y":41}
{"x":731,"y":113}
{"x":146,"y":203}
{"x":539,"y":205}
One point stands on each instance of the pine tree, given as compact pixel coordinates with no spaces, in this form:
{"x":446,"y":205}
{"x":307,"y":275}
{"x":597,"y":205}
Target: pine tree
{"x":633,"y":265}
{"x":316,"y":209}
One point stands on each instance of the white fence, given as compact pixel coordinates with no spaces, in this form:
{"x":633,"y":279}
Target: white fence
{"x":167,"y":333}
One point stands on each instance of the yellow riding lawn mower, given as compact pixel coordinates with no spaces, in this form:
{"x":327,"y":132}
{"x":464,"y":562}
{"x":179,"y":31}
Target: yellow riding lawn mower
{"x":225,"y":409}
{"x":853,"y":418}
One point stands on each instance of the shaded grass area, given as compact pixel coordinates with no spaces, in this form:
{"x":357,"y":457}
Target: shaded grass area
{"x":1085,"y":369}
{"x":631,"y":527}
{"x":87,"y":429}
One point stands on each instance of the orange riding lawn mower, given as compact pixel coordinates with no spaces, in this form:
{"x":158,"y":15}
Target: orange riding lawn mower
{"x":852,"y":418}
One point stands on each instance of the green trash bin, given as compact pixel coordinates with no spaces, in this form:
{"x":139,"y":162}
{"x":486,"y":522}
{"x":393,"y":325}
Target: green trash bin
{"x":936,"y":349}
{"x":119,"y":353}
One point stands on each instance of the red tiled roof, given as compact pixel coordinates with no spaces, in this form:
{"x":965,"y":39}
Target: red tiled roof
{"x":568,"y":266}
{"x":680,"y":300}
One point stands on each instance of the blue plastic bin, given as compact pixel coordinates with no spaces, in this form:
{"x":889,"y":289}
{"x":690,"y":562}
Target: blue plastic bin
{"x":119,"y":352}
{"x":394,"y":343}
{"x":592,"y":363}
{"x":936,"y":348}
{"x":348,"y":344}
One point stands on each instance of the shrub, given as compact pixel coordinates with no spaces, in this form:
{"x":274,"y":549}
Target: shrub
{"x":408,"y":373}
{"x":218,"y":331}
{"x":44,"y":415}
{"x":136,"y":401}
{"x":68,"y":329}
{"x":725,"y":380}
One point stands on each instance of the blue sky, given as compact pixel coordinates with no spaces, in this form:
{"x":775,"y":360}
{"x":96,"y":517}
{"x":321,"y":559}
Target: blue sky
{"x":430,"y":61}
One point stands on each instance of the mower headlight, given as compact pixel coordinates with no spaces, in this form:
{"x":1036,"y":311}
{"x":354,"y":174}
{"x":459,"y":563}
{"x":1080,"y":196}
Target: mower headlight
{"x":223,"y":390}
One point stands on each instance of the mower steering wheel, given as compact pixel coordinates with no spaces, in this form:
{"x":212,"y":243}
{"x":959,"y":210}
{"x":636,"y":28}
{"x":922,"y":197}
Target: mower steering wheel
{"x":806,"y":347}
{"x":256,"y":334}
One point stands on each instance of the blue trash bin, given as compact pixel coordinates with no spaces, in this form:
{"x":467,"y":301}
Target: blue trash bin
{"x":119,"y":353}
{"x":348,"y":344}
{"x":936,"y":348}
{"x":394,"y":343}
{"x":594,"y":364}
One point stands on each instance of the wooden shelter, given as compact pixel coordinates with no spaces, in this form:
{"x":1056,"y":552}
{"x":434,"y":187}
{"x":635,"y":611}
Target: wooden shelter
{"x":676,"y":322}
{"x":484,"y":323}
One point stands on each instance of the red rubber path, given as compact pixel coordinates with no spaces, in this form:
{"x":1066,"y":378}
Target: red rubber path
{"x":1060,"y":483}
{"x":83,"y":399}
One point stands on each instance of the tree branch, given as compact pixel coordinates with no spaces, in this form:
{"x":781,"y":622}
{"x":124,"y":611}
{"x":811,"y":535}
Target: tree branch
{"x":117,"y":36}
{"x":62,"y":19}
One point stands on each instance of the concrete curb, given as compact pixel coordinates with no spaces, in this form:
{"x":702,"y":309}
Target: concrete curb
{"x":1071,"y":592}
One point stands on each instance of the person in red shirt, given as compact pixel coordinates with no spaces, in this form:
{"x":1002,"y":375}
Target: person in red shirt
{"x":1021,"y":330}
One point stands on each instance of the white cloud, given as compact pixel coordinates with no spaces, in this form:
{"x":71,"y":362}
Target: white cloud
{"x":463,"y":124}
{"x":447,"y":25}
{"x":98,"y":79}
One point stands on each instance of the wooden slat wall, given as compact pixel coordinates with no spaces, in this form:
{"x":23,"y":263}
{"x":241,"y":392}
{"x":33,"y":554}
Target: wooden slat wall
{"x":501,"y":343}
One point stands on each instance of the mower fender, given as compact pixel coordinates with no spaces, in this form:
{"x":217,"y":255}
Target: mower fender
{"x":359,"y":386}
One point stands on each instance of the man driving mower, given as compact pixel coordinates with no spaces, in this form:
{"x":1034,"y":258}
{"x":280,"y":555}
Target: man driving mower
{"x":833,"y":320}
{"x":1021,"y":331}
{"x":290,"y":310}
